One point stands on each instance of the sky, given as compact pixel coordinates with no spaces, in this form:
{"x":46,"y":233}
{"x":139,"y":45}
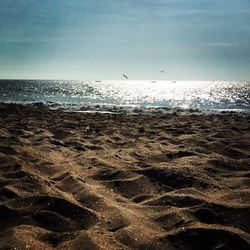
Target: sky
{"x":103,"y":39}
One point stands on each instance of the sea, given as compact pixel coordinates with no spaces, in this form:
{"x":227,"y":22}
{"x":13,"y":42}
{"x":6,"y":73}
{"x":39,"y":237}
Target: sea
{"x":130,"y":96}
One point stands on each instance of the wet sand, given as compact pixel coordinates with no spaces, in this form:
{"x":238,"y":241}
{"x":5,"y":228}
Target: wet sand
{"x":113,"y":181}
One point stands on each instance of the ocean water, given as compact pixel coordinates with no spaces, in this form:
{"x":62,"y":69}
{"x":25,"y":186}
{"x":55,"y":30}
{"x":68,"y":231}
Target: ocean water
{"x":129,"y":96}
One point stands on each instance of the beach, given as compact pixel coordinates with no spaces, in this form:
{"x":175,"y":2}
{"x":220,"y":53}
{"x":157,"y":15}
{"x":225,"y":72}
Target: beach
{"x":75,"y":180}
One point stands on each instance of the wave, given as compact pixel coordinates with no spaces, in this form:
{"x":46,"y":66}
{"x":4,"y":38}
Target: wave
{"x":130,"y":109}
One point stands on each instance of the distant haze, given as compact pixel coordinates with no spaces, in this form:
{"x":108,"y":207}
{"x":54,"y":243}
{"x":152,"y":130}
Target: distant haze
{"x":103,"y":39}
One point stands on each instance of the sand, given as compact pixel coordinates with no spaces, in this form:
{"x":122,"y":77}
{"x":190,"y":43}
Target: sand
{"x":115,"y":181}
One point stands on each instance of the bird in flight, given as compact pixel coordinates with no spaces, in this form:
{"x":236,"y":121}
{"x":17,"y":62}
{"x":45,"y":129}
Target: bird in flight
{"x":162,"y":71}
{"x":125,"y":76}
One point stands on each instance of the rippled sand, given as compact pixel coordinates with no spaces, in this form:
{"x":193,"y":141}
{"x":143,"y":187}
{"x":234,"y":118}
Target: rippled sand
{"x":106,"y":181}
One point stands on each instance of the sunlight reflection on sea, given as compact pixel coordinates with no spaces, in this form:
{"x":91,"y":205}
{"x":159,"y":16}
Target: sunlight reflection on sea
{"x":184,"y":94}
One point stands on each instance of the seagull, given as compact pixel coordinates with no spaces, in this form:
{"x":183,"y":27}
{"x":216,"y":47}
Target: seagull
{"x":125,"y":76}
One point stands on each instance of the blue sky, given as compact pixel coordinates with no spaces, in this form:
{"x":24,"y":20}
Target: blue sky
{"x":102,"y":39}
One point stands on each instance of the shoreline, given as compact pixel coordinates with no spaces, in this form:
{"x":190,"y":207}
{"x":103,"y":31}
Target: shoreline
{"x":128,"y":109}
{"x":71,"y":180}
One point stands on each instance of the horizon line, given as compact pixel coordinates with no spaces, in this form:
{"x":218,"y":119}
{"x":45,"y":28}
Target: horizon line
{"x":179,"y":80}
